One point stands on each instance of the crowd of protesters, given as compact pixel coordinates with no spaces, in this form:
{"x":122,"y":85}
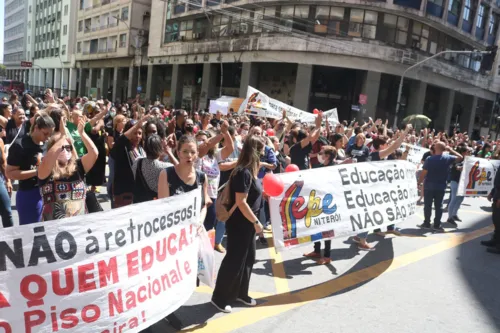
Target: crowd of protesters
{"x":57,"y":150}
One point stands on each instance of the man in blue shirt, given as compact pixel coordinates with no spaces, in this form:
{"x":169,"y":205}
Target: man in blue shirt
{"x":435,"y":173}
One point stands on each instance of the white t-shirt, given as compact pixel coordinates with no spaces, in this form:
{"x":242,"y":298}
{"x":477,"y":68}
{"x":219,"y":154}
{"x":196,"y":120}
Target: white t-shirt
{"x":210,"y":167}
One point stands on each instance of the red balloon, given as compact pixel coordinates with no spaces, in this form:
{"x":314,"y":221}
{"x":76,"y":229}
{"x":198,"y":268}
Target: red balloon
{"x":315,"y":111}
{"x":270,"y":132}
{"x":273,"y":185}
{"x":291,"y":168}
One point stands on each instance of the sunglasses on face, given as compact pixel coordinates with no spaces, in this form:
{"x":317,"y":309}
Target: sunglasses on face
{"x":67,"y":148}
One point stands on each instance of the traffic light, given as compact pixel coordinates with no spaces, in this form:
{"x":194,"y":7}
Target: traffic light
{"x":489,"y":58}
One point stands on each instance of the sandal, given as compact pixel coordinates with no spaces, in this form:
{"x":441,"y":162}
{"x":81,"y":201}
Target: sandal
{"x":312,"y":255}
{"x":324,"y":261}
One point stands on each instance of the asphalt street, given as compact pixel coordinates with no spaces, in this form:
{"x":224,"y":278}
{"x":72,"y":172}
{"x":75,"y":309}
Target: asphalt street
{"x":419,"y":282}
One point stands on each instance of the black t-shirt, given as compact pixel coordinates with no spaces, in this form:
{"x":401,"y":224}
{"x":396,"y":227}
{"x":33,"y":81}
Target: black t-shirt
{"x":300,"y":156}
{"x":244,"y":182}
{"x":375,"y":156}
{"x":359,"y":153}
{"x":177,"y":186}
{"x":11,"y":130}
{"x":455,"y":173}
{"x":424,"y":157}
{"x":27,"y":155}
{"x":123,"y":155}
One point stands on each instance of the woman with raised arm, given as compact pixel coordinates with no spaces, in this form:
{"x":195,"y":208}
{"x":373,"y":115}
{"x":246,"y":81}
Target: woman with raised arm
{"x":61,"y":175}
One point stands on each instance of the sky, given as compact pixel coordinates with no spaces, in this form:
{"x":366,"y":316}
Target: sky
{"x":1,"y":30}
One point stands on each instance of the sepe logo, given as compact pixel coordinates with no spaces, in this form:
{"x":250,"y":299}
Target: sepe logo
{"x":320,"y":210}
{"x":478,"y":175}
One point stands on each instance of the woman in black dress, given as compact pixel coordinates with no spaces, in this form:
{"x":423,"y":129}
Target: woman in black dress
{"x":234,"y":274}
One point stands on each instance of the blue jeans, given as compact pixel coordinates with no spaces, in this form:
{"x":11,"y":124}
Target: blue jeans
{"x":211,"y":223}
{"x":435,"y":196}
{"x":5,"y":210}
{"x":455,"y":200}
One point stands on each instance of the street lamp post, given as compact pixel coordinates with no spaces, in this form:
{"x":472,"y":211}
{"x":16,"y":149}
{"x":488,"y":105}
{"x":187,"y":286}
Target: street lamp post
{"x":398,"y":103}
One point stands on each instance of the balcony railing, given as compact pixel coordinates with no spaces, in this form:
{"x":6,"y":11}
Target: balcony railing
{"x":95,"y":28}
{"x":111,"y":49}
{"x":85,"y":52}
{"x":86,"y":30}
{"x":123,"y":44}
{"x":105,"y":2}
{"x":104,"y":27}
{"x":112,"y":25}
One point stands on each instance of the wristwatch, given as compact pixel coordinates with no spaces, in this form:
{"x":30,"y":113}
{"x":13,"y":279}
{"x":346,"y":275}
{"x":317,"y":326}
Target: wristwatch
{"x":257,"y":222}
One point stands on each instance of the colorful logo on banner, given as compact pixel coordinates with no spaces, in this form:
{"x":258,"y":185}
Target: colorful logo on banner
{"x":292,"y":211}
{"x":478,"y":176}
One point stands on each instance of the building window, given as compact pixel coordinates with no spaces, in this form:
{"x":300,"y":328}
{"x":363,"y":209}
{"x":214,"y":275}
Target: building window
{"x":29,"y":9}
{"x":363,"y":23}
{"x":59,"y":16}
{"x":264,"y":19}
{"x":454,"y":7}
{"x":123,"y":40}
{"x":468,"y":11}
{"x":80,"y":26}
{"x":293,"y":17}
{"x":79,"y":47}
{"x":480,"y":17}
{"x":171,"y":32}
{"x":63,"y":49}
{"x":420,"y":36}
{"x":125,"y":14}
{"x":65,"y":30}
{"x":65,"y":10}
{"x":186,"y":32}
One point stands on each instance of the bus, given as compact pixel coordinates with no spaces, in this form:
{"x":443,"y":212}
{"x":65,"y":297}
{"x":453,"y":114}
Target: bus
{"x":9,"y":85}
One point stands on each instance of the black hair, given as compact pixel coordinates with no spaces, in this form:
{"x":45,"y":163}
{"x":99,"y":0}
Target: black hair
{"x":160,"y":127}
{"x":185,"y":139}
{"x":153,"y":146}
{"x":43,"y":121}
{"x":231,"y":130}
{"x":3,"y":107}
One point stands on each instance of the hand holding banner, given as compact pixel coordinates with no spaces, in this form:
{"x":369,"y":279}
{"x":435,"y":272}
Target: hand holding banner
{"x":477,"y":177}
{"x":342,"y":200}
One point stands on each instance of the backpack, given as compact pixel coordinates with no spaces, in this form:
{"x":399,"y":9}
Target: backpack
{"x":223,"y":202}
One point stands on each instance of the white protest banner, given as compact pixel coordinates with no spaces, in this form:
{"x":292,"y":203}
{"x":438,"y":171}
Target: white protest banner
{"x":342,"y":200}
{"x":218,"y":106}
{"x":415,"y":154}
{"x":115,"y":271}
{"x":477,"y":177}
{"x":259,"y":104}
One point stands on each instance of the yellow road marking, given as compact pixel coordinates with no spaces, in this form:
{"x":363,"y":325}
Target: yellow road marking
{"x":281,"y":303}
{"x":279,"y":275}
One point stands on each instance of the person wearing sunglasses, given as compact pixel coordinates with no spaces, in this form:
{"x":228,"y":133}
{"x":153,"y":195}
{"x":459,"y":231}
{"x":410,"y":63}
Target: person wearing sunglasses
{"x":61,"y":175}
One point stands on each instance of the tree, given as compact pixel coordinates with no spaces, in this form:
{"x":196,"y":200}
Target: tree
{"x":3,"y":70}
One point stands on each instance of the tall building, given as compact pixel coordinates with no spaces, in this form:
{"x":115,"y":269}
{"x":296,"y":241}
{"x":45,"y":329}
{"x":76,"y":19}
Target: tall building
{"x":323,"y":55}
{"x":51,"y":40}
{"x":15,"y":14}
{"x":112,"y":39}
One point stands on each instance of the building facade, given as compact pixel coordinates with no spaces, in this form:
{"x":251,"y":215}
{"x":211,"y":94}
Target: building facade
{"x":14,"y":48}
{"x":326,"y":54}
{"x":51,"y":45}
{"x":112,"y":39}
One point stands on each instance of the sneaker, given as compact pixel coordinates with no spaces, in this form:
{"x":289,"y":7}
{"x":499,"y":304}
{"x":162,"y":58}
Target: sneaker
{"x":312,"y":255}
{"x":452,"y":222}
{"x":263,"y":240}
{"x":488,"y":243}
{"x":268,"y":227}
{"x":223,"y":308}
{"x":324,"y":261}
{"x":437,"y":229}
{"x":247,"y":301}
{"x":456,"y":218}
{"x":219,"y":248}
{"x":365,"y":247}
{"x":424,"y":225}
